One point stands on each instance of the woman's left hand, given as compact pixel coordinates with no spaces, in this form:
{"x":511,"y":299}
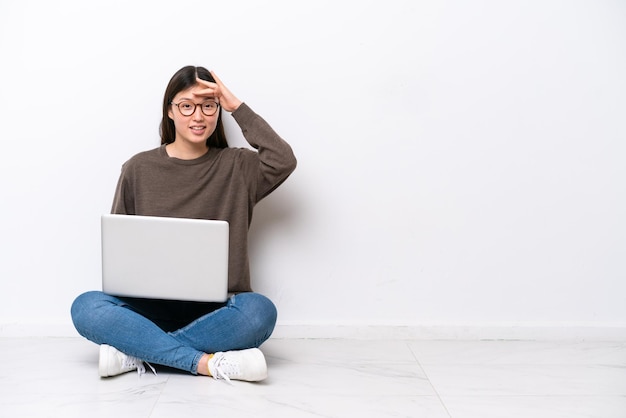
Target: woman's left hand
{"x":218,"y":90}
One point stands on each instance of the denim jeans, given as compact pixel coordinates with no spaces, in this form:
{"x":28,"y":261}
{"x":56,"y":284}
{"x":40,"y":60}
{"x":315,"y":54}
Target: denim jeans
{"x":174,"y":334}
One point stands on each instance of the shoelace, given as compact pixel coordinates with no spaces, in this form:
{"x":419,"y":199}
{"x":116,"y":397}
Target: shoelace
{"x":130,"y":362}
{"x":223,"y":369}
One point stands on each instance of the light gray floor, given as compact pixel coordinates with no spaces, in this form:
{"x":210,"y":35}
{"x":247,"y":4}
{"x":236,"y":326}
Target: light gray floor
{"x":57,"y":377}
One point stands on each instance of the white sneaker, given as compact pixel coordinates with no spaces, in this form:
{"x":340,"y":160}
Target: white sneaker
{"x":246,"y":365}
{"x":113,"y":362}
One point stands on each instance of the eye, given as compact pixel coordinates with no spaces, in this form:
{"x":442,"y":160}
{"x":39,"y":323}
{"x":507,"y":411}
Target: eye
{"x":209,"y":105}
{"x":185,"y":105}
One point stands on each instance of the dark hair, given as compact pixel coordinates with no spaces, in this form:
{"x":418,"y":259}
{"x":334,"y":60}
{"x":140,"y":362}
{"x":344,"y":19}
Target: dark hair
{"x":184,"y":79}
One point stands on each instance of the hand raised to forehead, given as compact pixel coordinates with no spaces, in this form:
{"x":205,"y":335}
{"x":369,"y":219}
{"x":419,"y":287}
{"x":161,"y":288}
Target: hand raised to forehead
{"x":218,"y":90}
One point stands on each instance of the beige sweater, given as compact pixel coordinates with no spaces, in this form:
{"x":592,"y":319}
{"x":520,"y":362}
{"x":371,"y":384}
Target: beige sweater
{"x":222,"y":184}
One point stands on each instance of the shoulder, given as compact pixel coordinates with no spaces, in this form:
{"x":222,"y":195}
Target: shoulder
{"x":237,"y":154}
{"x":145,"y":157}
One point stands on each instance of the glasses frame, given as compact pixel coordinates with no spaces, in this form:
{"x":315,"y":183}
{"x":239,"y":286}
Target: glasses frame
{"x":195,"y":106}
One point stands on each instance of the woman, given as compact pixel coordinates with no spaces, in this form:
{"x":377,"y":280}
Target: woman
{"x":193,"y":174}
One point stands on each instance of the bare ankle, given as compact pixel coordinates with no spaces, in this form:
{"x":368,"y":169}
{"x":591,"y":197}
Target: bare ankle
{"x":203,"y":365}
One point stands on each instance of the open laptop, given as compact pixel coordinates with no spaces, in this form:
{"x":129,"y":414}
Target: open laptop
{"x":165,"y":258}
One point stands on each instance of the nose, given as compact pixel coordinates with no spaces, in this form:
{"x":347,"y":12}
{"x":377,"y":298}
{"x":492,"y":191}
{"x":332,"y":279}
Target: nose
{"x":197,"y":113}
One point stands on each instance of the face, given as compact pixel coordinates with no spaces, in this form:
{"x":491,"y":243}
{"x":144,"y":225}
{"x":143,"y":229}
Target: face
{"x":194,"y":129}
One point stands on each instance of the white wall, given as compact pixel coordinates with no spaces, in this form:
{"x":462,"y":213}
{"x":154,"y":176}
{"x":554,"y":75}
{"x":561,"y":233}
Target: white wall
{"x":461,"y":163}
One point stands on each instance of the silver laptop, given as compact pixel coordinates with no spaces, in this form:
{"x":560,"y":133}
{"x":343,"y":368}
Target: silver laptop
{"x":165,"y":258}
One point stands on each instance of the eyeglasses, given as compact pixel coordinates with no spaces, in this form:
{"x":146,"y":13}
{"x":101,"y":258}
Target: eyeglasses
{"x":188,"y":108}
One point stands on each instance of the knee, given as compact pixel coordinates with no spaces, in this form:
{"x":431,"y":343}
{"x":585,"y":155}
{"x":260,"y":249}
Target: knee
{"x":260,"y":312}
{"x":84,"y":308}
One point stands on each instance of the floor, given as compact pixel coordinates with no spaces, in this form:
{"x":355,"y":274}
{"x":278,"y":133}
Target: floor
{"x":57,"y":377}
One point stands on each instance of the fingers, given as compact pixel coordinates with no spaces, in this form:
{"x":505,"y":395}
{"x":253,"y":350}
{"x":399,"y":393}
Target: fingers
{"x":210,"y":89}
{"x":218,"y":83}
{"x":219,"y":91}
{"x":216,"y":78}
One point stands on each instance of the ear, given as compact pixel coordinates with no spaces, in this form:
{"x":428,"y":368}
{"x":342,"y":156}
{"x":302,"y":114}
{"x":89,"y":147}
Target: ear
{"x":170,"y":114}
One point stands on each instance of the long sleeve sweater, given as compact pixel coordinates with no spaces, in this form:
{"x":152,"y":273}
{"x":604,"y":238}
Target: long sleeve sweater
{"x":224,"y":184}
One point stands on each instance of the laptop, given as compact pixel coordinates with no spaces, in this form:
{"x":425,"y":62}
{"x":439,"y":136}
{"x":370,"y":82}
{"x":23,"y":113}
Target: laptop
{"x":165,"y":258}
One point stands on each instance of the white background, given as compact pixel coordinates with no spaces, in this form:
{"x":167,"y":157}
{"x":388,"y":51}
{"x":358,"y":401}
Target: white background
{"x":460,"y":162}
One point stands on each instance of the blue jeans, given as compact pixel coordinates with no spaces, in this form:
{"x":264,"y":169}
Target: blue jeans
{"x":170,"y":333}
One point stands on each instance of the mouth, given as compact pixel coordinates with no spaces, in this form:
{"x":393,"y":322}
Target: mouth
{"x":198,"y":129}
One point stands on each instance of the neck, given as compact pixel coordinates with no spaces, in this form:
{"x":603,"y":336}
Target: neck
{"x":184,"y":152}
